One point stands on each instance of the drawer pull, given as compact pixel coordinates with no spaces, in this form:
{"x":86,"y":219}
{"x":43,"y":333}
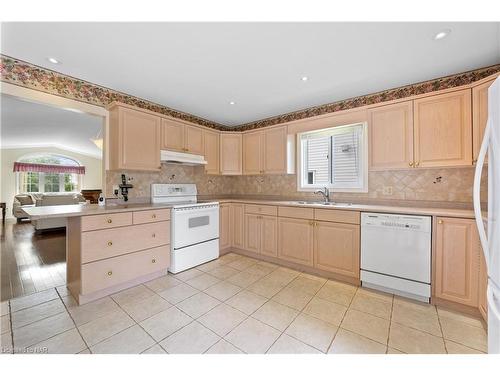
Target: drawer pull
{"x":153,"y":260}
{"x":410,"y":164}
{"x":440,"y":221}
{"x":153,"y":216}
{"x":110,"y":221}
{"x":110,"y":273}
{"x":110,"y":243}
{"x":153,"y":235}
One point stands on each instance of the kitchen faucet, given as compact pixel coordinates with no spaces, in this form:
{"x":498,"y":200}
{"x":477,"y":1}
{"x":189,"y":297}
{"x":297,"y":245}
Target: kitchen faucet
{"x":325,"y":193}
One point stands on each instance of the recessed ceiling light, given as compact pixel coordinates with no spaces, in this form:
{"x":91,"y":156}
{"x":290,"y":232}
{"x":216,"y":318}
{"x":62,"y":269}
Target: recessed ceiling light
{"x":442,"y":34}
{"x":232,"y":103}
{"x":304,"y":78}
{"x":53,"y":60}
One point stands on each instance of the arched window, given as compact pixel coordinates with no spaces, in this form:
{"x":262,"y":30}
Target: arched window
{"x":48,"y":173}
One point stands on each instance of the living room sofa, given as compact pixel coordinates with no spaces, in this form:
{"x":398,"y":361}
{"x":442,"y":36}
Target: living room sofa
{"x":44,"y":199}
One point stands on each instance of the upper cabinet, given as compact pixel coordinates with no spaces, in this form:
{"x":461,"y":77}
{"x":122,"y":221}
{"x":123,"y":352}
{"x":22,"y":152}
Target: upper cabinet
{"x":390,"y":135}
{"x":211,"y":147}
{"x":479,"y":115}
{"x":443,"y":130}
{"x":134,"y":139}
{"x":253,"y":158}
{"x":231,"y":153}
{"x":177,"y":136}
{"x":267,"y":152}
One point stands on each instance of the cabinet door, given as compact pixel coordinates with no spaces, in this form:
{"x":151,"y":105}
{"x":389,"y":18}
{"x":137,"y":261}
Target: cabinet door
{"x":230,"y":154}
{"x":237,"y":226}
{"x":479,"y":116}
{"x":391,"y":136}
{"x":269,"y":236}
{"x":225,"y":226}
{"x":252,"y":153}
{"x":295,"y":240}
{"x":274,"y":151}
{"x":336,"y":248}
{"x":139,"y":140}
{"x":443,"y":130}
{"x":483,"y":285}
{"x":457,"y":261}
{"x":193,"y":140}
{"x":172,"y":136}
{"x":211,"y":141}
{"x":252,"y":233}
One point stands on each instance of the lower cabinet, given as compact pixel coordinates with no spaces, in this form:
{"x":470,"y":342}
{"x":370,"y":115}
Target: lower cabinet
{"x":336,"y":248}
{"x":457,"y":261}
{"x":237,"y":226}
{"x":224,"y":226}
{"x":295,"y":240}
{"x":261,"y":234}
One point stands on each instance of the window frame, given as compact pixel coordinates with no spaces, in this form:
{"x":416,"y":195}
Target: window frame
{"x":41,"y":175}
{"x":332,"y":187}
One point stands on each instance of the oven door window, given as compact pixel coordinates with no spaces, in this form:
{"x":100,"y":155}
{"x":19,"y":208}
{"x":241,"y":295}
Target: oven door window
{"x":198,"y":221}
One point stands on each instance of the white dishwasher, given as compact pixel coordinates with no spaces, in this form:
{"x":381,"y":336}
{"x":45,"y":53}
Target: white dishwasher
{"x":396,"y":254}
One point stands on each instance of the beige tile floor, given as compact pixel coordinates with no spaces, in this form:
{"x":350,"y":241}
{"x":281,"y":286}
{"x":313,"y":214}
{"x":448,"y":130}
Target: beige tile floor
{"x":236,"y":305}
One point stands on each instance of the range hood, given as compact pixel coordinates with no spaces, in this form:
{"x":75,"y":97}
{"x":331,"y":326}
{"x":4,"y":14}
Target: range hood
{"x":181,"y":158}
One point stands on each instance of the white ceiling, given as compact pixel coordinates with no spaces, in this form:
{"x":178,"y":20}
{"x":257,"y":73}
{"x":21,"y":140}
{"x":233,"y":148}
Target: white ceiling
{"x":199,"y":67}
{"x":26,"y":124}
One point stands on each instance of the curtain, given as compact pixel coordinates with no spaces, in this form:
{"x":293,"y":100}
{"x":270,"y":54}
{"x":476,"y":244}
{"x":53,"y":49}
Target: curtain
{"x":47,"y":168}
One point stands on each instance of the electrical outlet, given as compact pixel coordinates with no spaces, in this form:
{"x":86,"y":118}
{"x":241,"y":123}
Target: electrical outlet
{"x":387,"y":190}
{"x":115,"y":190}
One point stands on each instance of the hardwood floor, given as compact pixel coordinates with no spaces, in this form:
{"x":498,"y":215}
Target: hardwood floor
{"x":31,"y":262}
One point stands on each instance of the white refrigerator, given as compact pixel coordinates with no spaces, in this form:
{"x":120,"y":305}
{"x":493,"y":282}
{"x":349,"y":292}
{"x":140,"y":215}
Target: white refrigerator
{"x":489,"y":227}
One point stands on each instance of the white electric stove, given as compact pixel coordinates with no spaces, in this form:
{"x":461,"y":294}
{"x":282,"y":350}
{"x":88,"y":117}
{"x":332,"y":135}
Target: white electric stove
{"x":194,"y":226}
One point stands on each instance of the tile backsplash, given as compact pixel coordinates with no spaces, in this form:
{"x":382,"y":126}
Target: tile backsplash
{"x":453,"y":185}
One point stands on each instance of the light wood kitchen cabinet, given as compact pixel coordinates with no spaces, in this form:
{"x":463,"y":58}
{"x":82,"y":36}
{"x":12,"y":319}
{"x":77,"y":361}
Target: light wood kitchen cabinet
{"x":390,"y":134}
{"x":211,"y":148}
{"x":275,"y":151}
{"x":261,"y":234}
{"x":237,"y":226}
{"x":224,"y":226}
{"x":457,"y":261}
{"x":231,"y":154}
{"x":266,"y":151}
{"x":479,"y":116}
{"x":443,"y":130}
{"x":194,"y":140}
{"x":295,"y":240}
{"x":337,"y":248}
{"x":483,"y":285}
{"x":172,"y":135}
{"x":177,"y":136}
{"x":134,"y":139}
{"x":252,"y":233}
{"x":253,"y":155}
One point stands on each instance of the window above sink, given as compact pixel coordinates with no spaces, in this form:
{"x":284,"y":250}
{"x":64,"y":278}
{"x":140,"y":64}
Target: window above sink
{"x":335,"y":158}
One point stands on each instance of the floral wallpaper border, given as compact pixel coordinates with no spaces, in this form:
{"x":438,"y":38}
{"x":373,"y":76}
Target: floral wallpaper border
{"x":28,"y":75}
{"x":25,"y":74}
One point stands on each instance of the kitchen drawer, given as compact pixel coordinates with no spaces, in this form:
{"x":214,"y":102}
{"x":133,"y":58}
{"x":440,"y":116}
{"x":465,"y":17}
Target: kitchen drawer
{"x":296,"y":212}
{"x":110,"y":272}
{"x":95,"y":222}
{"x":338,"y":216}
{"x":151,"y":216}
{"x":106,"y":243}
{"x":261,"y":209}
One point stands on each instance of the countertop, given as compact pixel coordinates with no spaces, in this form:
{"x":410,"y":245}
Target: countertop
{"x":93,"y":209}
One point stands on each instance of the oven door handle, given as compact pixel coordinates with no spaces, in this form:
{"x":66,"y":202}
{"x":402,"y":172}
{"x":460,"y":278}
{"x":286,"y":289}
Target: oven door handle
{"x":195,"y":211}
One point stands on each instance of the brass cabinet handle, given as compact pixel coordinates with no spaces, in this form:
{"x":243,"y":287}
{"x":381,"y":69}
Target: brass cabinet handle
{"x":440,"y":221}
{"x":417,"y":164}
{"x":110,"y":243}
{"x":410,"y":164}
{"x":110,"y":273}
{"x":153,"y":216}
{"x":153,"y":260}
{"x":110,"y":221}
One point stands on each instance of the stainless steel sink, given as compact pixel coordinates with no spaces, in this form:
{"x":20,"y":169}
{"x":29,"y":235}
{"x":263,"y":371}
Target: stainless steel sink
{"x":338,"y":204}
